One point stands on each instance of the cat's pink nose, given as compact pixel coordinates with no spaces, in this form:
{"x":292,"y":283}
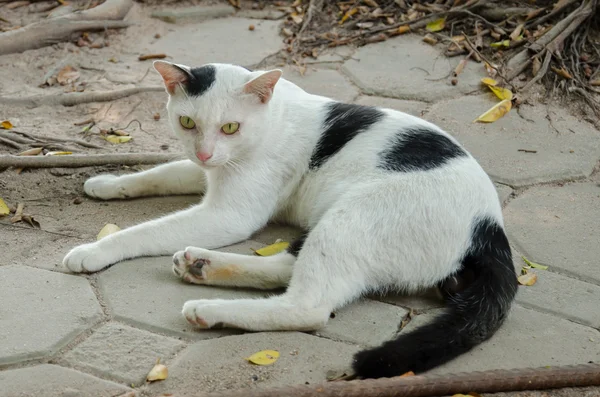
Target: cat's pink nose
{"x":202,"y":156}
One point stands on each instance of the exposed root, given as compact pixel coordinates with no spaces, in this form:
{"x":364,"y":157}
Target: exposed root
{"x":75,"y":161}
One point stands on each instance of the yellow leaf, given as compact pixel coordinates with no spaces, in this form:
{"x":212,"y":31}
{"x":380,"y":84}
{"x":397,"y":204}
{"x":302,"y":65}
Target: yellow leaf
{"x":3,"y":208}
{"x":264,"y":357}
{"x":496,"y":112}
{"x":498,"y":44}
{"x":502,"y":93}
{"x":436,"y":25}
{"x":109,"y":228}
{"x":488,"y":81}
{"x":118,"y":139}
{"x":533,"y":264}
{"x":527,"y":279}
{"x":31,"y":152}
{"x":272,"y":249}
{"x":348,"y":14}
{"x":58,"y":153}
{"x":6,"y":125}
{"x":158,"y":372}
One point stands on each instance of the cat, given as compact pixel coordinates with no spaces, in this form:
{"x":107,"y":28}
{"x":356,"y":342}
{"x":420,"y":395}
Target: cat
{"x":388,"y":202}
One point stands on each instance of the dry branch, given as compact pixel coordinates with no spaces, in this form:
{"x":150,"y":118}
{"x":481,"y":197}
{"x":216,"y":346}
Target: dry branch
{"x":438,"y":385}
{"x":75,"y":98}
{"x":108,"y":15}
{"x":91,"y":160}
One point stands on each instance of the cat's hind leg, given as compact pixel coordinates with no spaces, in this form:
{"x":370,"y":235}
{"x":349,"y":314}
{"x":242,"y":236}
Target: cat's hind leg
{"x":178,"y":177}
{"x":325,"y":277}
{"x":206,"y":267}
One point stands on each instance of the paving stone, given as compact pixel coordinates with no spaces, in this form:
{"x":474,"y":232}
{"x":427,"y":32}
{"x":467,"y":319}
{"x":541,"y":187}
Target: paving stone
{"x":116,"y":351}
{"x":145,"y":292}
{"x":406,"y":68}
{"x":220,"y":364}
{"x":558,"y":227}
{"x":274,"y":232}
{"x":527,"y":339}
{"x":325,"y":82}
{"x":200,"y":43}
{"x":414,"y":108}
{"x":42,"y":311}
{"x":504,"y":192}
{"x":567,"y":148}
{"x":366,"y":322}
{"x":53,"y":381}
{"x":427,"y":300}
{"x":332,"y":57}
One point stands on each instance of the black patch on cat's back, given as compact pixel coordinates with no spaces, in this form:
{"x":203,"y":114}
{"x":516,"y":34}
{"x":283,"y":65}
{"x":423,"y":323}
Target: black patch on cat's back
{"x":201,"y":80}
{"x":419,"y":149}
{"x":342,"y":123}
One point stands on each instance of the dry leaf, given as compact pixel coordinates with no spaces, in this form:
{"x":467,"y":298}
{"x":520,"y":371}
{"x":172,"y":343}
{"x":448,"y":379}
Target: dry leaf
{"x":403,"y":29}
{"x":3,"y":208}
{"x":409,"y":373}
{"x":516,"y":34}
{"x":348,"y":14}
{"x":287,"y":32}
{"x":264,"y":357}
{"x":119,"y":132}
{"x":436,"y":25}
{"x":6,"y":125}
{"x":31,"y":152}
{"x":498,"y":44}
{"x":109,"y":228}
{"x":158,"y":372}
{"x":528,"y":278}
{"x":18,"y":213}
{"x":536,"y":65}
{"x":460,"y":67}
{"x":502,"y":93}
{"x":533,"y":264}
{"x":29,"y":219}
{"x":117,"y":139}
{"x":562,"y":72}
{"x":489,"y":82}
{"x":58,"y":153}
{"x":67,"y":75}
{"x":595,"y":83}
{"x":430,"y":39}
{"x":272,"y":249}
{"x":371,"y":3}
{"x":496,"y":112}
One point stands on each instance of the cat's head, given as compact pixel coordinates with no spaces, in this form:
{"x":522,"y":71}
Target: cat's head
{"x":218,"y":111}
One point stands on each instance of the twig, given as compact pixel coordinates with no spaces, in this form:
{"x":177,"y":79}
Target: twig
{"x":42,"y":140}
{"x":72,"y":99}
{"x":312,"y":6}
{"x":91,"y":160}
{"x":40,"y":230}
{"x":541,"y":73}
{"x":151,"y":56}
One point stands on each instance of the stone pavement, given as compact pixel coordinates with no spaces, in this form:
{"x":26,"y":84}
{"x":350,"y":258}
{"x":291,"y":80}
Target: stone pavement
{"x":99,"y":335}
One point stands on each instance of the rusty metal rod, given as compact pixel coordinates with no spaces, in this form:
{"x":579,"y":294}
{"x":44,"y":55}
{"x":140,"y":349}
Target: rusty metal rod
{"x":438,"y":385}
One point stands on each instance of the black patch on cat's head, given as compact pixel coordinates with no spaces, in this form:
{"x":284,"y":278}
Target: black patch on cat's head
{"x":342,"y":123}
{"x":201,"y":79}
{"x":419,"y":149}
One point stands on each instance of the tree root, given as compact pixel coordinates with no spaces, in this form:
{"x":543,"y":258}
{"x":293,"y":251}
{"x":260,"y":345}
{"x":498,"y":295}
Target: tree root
{"x":108,"y":15}
{"x":91,"y":160}
{"x":42,"y":141}
{"x":75,"y":98}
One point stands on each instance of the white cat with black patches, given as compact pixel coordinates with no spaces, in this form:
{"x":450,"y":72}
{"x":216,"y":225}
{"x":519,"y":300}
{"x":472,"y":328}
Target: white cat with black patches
{"x":389,"y":202}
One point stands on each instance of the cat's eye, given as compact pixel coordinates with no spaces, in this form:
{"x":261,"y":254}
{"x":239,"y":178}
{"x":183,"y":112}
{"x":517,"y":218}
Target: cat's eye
{"x":230,"y":128}
{"x":186,"y":122}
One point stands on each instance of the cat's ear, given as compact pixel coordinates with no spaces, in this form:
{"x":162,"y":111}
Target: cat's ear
{"x":263,"y":85}
{"x":173,"y":75}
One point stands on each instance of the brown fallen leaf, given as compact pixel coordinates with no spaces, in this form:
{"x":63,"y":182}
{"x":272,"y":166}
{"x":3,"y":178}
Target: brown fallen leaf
{"x":403,"y":29}
{"x":145,"y":57}
{"x":30,"y":220}
{"x":495,"y":112}
{"x":535,"y":66}
{"x":67,"y":75}
{"x":527,"y":279}
{"x":158,"y":372}
{"x":562,"y":72}
{"x":6,"y":125}
{"x":595,"y":83}
{"x":371,"y":3}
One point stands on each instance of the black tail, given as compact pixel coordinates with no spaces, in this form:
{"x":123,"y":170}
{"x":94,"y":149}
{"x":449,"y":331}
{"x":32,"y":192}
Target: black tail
{"x":473,"y":315}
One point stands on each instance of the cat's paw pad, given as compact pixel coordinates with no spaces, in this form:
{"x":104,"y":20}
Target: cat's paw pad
{"x":202,"y":313}
{"x":86,"y":258}
{"x":191,"y":265}
{"x":104,"y":187}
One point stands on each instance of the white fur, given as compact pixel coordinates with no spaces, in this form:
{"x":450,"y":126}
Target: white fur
{"x":370,"y":229}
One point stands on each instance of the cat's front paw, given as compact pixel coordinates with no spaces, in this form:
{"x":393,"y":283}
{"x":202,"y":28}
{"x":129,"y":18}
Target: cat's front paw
{"x":203,"y":313}
{"x":87,"y":258}
{"x":104,"y":187}
{"x":191,"y":265}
